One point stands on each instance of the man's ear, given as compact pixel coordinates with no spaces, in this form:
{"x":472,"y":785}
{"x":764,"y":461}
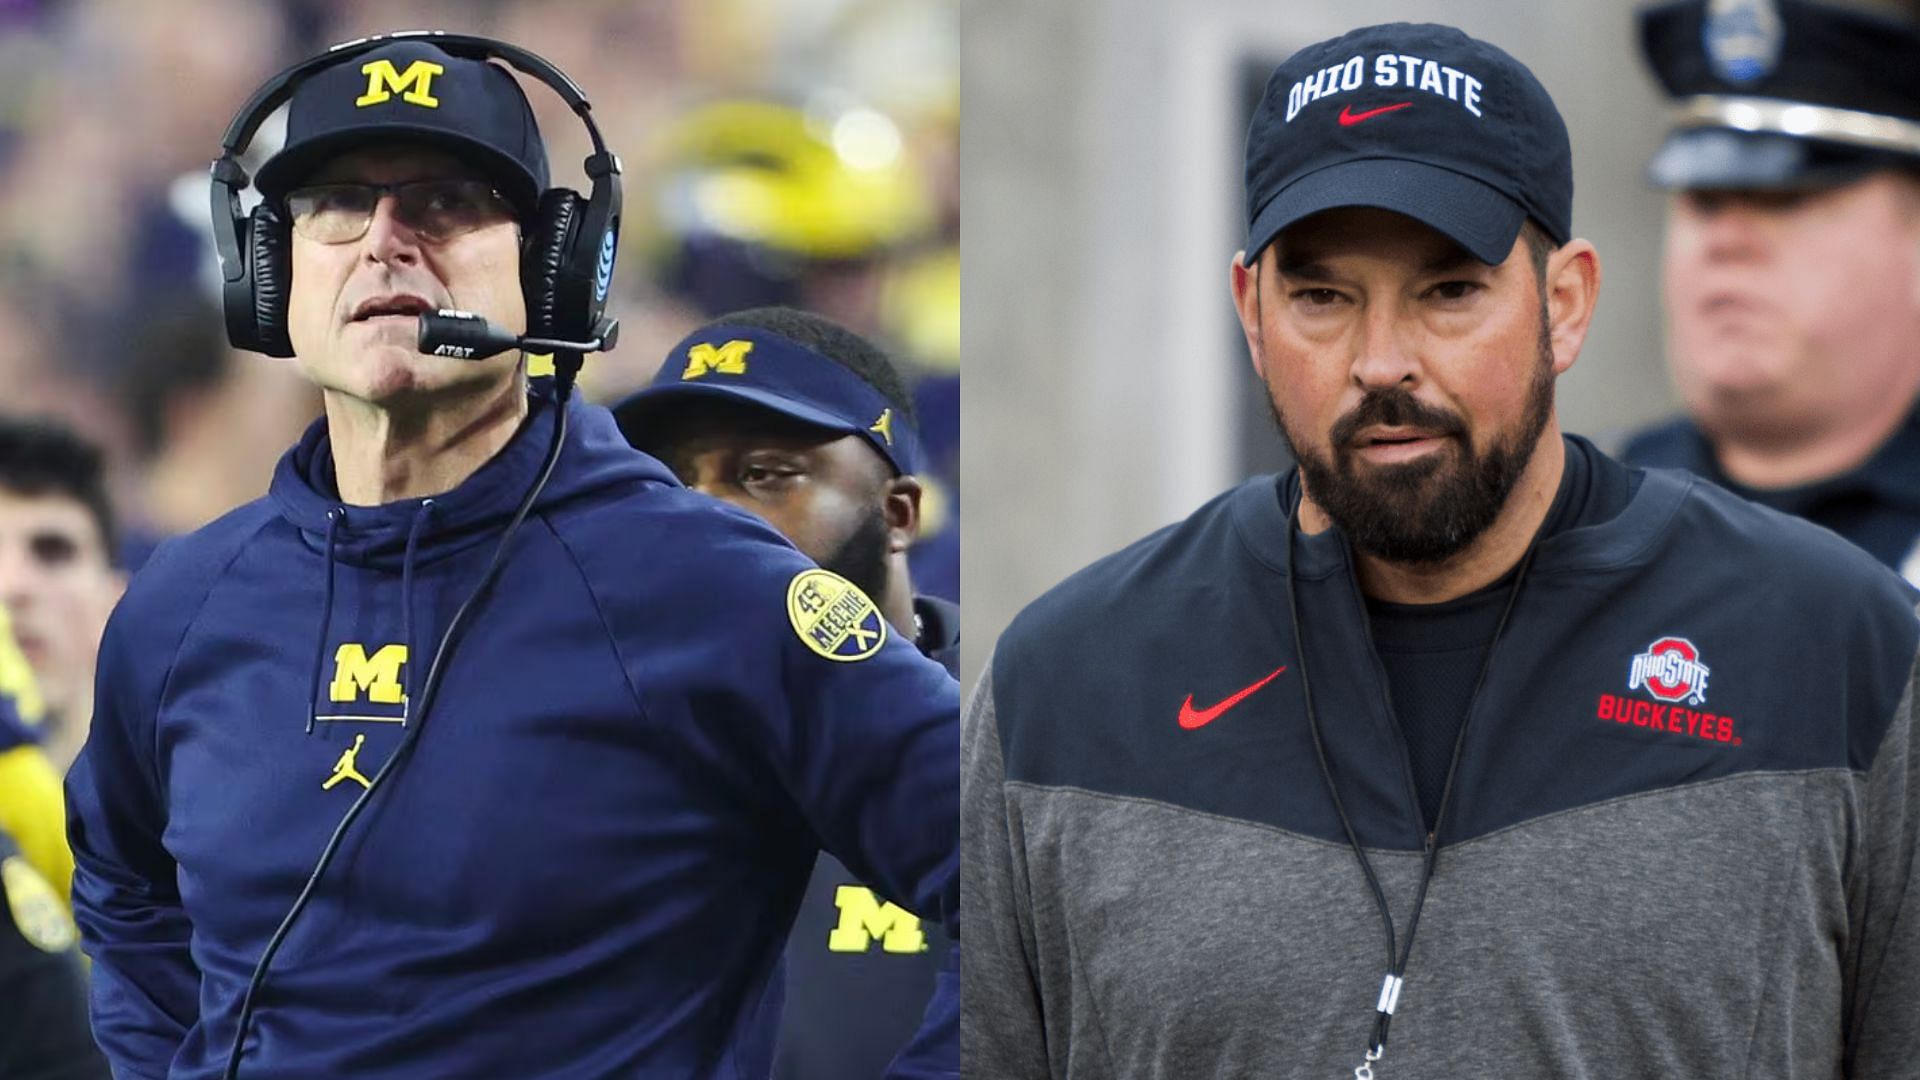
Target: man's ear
{"x":900,"y":501}
{"x":1573,"y":288}
{"x":1244,"y":281}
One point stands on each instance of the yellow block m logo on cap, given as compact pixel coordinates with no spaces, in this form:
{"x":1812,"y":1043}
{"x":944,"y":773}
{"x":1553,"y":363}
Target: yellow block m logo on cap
{"x":414,"y":85}
{"x":728,"y":359}
{"x":378,"y":675}
{"x":864,"y":918}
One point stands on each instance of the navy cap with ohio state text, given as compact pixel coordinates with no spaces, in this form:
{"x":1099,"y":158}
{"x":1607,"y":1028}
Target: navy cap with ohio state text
{"x":1418,"y":119}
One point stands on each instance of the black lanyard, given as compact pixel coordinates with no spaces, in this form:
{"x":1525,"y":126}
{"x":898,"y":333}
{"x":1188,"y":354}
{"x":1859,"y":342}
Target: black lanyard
{"x":1396,"y":954}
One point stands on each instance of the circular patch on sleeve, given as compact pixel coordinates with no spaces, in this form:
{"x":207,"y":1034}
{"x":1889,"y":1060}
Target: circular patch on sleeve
{"x":37,"y":910}
{"x":833,"y":617}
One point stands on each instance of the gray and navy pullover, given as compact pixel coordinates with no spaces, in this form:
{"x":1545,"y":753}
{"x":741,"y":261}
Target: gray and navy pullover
{"x":1680,"y":843}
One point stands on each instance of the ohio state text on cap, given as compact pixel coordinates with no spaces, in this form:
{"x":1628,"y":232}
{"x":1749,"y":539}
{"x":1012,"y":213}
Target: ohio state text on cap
{"x":1418,"y":119}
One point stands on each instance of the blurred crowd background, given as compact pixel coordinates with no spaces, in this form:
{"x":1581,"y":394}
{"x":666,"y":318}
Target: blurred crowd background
{"x":776,"y":151}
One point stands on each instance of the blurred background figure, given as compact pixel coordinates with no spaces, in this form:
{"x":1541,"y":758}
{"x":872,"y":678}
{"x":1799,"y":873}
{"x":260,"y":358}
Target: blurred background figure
{"x":795,"y":418}
{"x":845,"y":113}
{"x":58,"y":580}
{"x":1792,"y":273}
{"x":32,"y":808}
{"x":43,"y":1000}
{"x":43,"y":1026}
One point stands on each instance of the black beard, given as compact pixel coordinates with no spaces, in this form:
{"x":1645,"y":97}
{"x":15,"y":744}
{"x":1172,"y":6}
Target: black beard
{"x":1430,"y":509}
{"x":862,"y":557}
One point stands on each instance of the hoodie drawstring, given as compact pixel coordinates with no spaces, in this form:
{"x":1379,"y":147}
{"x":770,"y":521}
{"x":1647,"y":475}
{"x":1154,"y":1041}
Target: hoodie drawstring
{"x":406,"y":608}
{"x":326,"y":617}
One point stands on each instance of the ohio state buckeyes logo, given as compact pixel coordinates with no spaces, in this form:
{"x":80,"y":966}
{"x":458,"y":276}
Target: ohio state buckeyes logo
{"x":1670,"y":670}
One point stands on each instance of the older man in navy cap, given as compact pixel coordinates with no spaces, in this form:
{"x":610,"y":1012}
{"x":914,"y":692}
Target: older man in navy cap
{"x":1792,"y":273}
{"x":480,"y":747}
{"x":1461,"y":732}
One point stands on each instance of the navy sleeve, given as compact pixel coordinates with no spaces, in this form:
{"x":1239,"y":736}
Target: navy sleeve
{"x":852,"y":737}
{"x":934,"y":1053}
{"x":145,"y":987}
{"x":871,"y":751}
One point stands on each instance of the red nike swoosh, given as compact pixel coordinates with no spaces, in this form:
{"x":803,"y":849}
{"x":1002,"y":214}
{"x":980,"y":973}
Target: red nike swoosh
{"x":1348,"y":119}
{"x":1191,"y":717}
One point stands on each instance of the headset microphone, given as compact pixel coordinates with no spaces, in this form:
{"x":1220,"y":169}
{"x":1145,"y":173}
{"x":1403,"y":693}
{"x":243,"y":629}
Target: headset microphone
{"x":464,"y":335}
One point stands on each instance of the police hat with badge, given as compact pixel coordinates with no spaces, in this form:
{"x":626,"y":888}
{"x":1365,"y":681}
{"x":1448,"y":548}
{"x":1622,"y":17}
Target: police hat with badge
{"x":757,"y":367}
{"x":1782,"y":94}
{"x":441,"y":90}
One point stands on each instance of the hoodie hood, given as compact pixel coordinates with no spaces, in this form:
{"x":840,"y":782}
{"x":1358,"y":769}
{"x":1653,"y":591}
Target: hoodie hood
{"x":305,"y":492}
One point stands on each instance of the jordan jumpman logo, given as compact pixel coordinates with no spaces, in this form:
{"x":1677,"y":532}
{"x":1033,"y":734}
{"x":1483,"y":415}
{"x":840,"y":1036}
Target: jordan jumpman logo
{"x":344,"y":769}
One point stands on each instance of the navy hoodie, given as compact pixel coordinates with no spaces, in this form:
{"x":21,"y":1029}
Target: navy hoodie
{"x":589,"y":863}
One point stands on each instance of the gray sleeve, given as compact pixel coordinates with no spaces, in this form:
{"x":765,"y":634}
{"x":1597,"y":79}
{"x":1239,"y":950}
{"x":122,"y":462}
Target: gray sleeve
{"x":1002,"y":1033}
{"x":1883,"y":960}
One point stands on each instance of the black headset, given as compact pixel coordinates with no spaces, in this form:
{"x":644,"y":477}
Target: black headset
{"x":566,"y":263}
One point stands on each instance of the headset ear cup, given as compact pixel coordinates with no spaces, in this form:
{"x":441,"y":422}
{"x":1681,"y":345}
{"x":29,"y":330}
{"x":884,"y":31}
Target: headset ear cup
{"x":554,"y":222}
{"x":267,"y":241}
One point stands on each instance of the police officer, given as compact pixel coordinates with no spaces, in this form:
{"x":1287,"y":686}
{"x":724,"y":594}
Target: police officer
{"x":1792,"y":264}
{"x":793,"y":417}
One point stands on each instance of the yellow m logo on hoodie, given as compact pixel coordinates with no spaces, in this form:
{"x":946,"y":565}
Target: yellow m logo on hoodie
{"x":378,"y":675}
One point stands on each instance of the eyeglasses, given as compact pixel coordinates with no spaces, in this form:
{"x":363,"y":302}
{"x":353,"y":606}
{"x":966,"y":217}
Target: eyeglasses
{"x":436,"y":209}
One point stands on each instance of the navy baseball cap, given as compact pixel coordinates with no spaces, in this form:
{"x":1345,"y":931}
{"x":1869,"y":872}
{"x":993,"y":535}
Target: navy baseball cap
{"x":415,"y":91}
{"x":772,"y":372}
{"x":1414,"y":118}
{"x":1781,"y":94}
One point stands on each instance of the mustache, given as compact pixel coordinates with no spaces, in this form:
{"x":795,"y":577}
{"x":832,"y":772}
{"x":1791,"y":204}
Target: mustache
{"x":1394,"y":407}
